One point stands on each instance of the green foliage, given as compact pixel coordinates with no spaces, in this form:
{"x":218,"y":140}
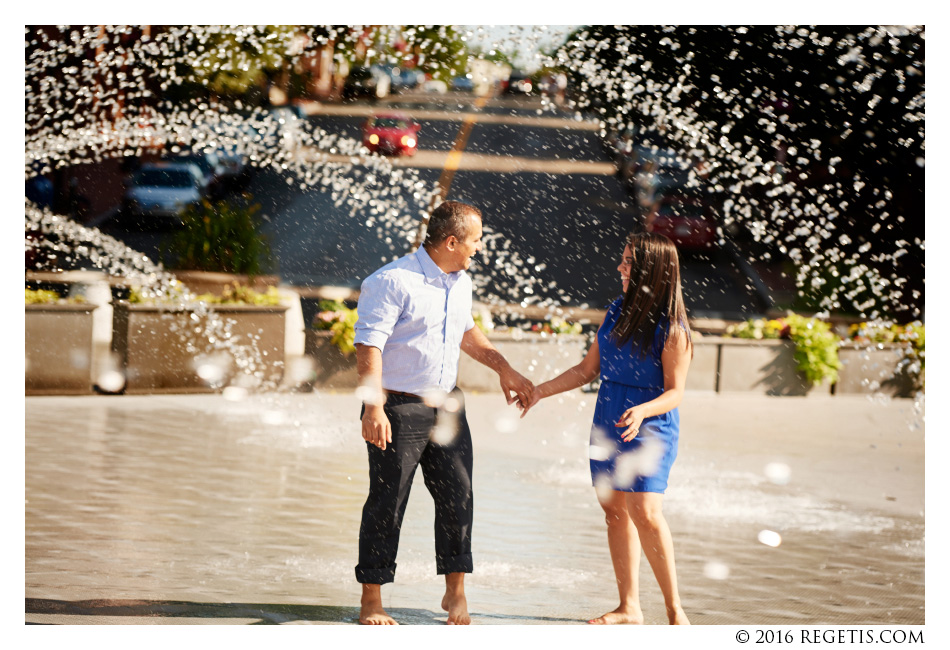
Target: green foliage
{"x":911,"y":335}
{"x":173,"y":294}
{"x":222,"y":236}
{"x":557,"y":326}
{"x":236,"y":294}
{"x":496,"y":55}
{"x":233,"y":294}
{"x":483,"y":321}
{"x":757,"y":328}
{"x":816,"y":346}
{"x":336,"y":317}
{"x":47,"y":297}
{"x":41,"y":297}
{"x":231,"y":64}
{"x":438,"y":50}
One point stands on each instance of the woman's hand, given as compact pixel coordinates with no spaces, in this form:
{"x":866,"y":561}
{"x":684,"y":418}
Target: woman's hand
{"x":631,"y":419}
{"x":533,"y":399}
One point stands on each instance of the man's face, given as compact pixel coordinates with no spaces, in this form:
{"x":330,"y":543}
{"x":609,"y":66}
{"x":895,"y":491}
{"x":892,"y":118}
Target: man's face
{"x":462,"y":251}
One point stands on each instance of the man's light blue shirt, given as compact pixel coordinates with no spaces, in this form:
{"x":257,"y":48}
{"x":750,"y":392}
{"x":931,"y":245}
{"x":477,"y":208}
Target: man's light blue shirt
{"x":416,"y":314}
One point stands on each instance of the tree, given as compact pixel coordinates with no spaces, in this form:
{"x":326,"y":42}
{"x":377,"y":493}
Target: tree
{"x":437,"y":50}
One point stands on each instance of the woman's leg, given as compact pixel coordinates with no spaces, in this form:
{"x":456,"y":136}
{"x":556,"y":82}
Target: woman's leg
{"x":646,"y":511}
{"x":625,"y":554}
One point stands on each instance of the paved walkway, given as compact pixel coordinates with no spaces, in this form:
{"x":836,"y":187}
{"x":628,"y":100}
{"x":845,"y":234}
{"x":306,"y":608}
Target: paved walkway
{"x":203,"y":509}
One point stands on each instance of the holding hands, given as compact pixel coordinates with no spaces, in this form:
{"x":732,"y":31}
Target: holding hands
{"x":516,"y":388}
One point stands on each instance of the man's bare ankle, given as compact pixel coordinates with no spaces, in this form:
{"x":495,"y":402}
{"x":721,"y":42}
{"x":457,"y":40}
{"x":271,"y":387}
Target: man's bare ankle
{"x":371,"y":594}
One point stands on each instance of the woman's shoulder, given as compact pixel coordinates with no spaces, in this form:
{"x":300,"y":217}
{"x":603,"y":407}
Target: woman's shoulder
{"x":613,"y":309}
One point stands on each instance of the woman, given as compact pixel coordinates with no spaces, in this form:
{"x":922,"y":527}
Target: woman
{"x":642,"y":352}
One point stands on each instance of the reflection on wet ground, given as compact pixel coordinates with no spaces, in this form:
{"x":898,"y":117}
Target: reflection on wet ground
{"x":197,"y":509}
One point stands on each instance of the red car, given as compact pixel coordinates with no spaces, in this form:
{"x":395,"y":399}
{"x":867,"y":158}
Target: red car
{"x":686,"y":220}
{"x":391,"y":134}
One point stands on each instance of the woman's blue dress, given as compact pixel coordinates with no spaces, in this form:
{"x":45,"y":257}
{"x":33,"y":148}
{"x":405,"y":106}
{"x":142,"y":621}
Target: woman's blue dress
{"x":627,"y":379}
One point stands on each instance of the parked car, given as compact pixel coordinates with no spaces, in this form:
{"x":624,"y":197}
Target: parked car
{"x":463,"y":84}
{"x":650,"y":173}
{"x":163,"y":189}
{"x":363,"y":82}
{"x":234,"y":163}
{"x":618,"y":144}
{"x":401,"y":78}
{"x":685,"y":219}
{"x":519,"y":84}
{"x":391,"y":133}
{"x":435,"y":86}
{"x":212,"y":167}
{"x":290,"y":124}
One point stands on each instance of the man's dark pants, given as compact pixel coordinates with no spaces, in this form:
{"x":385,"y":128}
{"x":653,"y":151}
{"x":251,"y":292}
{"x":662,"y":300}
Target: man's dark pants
{"x":447,"y":470}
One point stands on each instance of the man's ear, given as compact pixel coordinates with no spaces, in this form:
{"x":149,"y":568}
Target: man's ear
{"x":451,"y":242}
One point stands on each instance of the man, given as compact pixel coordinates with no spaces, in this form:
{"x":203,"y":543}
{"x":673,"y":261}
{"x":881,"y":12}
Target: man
{"x":414,"y":318}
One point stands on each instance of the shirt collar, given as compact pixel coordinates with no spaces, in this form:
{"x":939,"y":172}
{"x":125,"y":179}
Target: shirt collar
{"x":431,"y":270}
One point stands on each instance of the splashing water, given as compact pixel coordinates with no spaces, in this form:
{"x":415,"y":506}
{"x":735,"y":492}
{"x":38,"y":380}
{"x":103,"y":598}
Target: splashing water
{"x":131,"y":69}
{"x":111,"y":255}
{"x":812,"y":138}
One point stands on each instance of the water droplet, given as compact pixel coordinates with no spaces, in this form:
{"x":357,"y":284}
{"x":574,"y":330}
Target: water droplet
{"x":716,"y":570}
{"x":778,"y":473}
{"x":770,"y":538}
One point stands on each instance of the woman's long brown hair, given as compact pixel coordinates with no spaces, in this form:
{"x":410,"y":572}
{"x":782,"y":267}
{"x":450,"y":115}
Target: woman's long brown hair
{"x":654,"y":295}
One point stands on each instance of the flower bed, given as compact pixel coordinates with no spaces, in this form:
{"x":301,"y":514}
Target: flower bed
{"x":883,"y":358}
{"x":877,"y":357}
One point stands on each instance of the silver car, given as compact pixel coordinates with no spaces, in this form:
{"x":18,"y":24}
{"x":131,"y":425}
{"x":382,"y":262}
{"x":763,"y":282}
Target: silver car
{"x":164,"y":189}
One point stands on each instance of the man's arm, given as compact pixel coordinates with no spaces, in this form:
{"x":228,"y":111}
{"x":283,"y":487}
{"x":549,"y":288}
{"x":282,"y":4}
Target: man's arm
{"x":476,"y":345}
{"x":369,"y":366}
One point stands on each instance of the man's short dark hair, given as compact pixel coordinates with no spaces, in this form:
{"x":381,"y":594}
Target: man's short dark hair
{"x":449,"y":219}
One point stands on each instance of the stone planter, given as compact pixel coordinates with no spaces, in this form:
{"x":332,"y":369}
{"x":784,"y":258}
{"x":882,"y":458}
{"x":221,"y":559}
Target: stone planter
{"x":873,"y":368}
{"x":163,"y":349}
{"x":762,"y":366}
{"x":538,"y":357}
{"x":332,"y":368}
{"x":59,"y":349}
{"x":704,"y":367}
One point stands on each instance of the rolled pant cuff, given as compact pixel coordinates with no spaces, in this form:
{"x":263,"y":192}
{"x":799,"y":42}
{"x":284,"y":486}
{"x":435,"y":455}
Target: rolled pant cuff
{"x":375,"y":576}
{"x":457,"y":564}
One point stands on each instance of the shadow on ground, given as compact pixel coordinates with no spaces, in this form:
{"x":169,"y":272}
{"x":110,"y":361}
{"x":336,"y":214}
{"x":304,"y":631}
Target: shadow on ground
{"x":268,"y":614}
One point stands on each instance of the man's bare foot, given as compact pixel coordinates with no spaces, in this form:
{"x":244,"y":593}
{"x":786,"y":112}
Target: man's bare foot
{"x":371,"y":608}
{"x":454,"y":601}
{"x":677,"y":616}
{"x":457,"y":607}
{"x":620,"y":616}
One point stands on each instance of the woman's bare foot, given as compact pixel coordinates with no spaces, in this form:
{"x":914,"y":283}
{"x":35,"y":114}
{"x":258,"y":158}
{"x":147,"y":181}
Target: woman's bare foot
{"x":454,"y":601}
{"x":371,"y":608}
{"x":677,"y":616}
{"x":620,"y":616}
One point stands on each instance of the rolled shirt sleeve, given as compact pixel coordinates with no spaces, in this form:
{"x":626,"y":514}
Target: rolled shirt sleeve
{"x":378,"y":310}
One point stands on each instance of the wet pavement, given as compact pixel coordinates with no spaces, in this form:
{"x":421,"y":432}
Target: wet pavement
{"x":200,"y":509}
